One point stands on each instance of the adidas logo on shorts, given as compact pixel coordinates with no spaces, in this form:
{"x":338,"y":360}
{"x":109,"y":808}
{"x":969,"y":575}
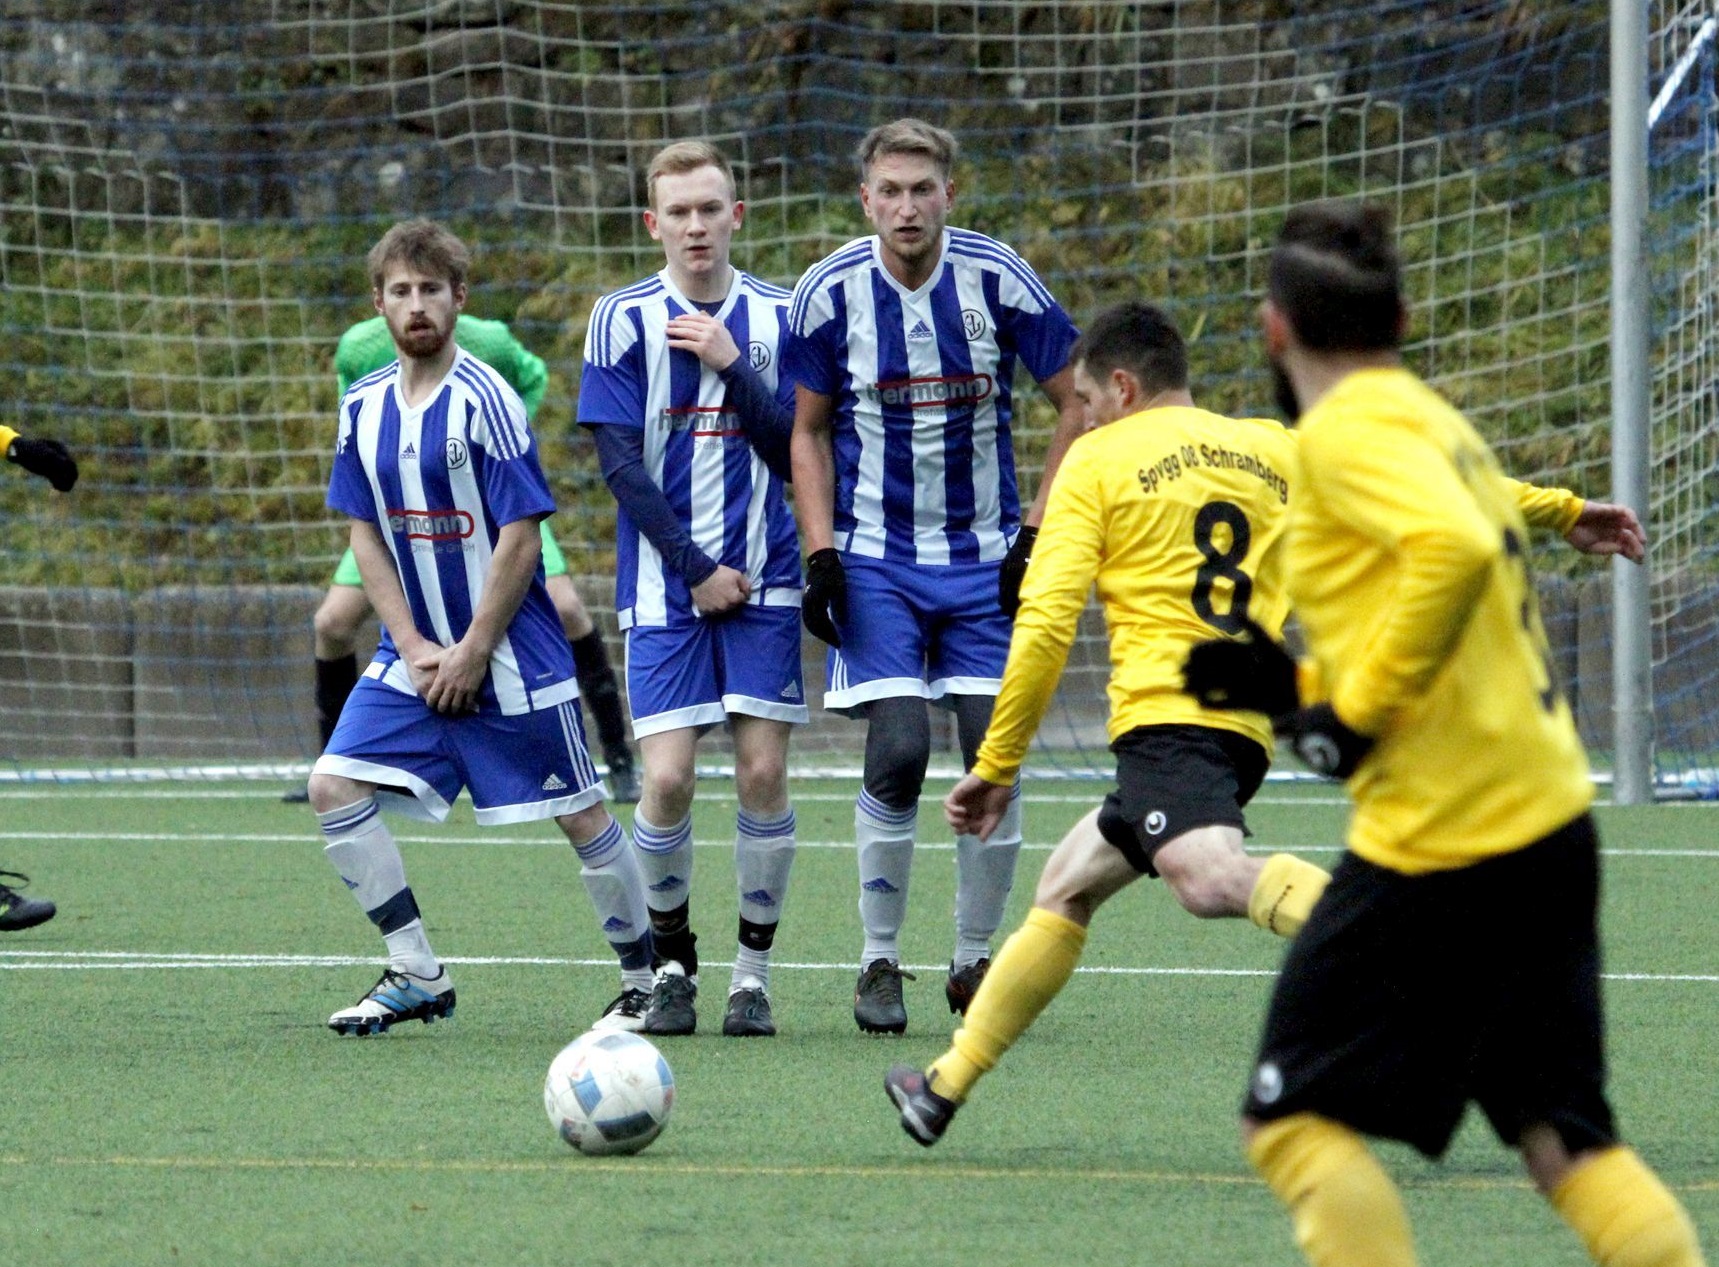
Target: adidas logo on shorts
{"x":791,"y":691}
{"x":554,"y":783}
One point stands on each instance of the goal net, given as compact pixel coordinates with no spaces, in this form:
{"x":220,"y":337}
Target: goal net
{"x":187,"y":195}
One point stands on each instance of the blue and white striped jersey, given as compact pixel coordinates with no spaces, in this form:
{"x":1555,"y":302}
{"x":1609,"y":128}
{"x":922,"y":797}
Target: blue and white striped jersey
{"x":695,"y":448}
{"x":440,"y":480}
{"x":921,"y":383}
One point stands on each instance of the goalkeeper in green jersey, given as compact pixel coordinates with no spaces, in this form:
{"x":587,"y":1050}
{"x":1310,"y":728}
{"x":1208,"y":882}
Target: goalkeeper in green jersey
{"x":51,"y":460}
{"x":363,"y":349}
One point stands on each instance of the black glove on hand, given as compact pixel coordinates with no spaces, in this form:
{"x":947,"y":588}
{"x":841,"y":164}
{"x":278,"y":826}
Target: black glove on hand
{"x":1253,"y":673}
{"x":47,"y":458}
{"x":824,"y":605}
{"x":1014,"y":571}
{"x":1324,"y":744}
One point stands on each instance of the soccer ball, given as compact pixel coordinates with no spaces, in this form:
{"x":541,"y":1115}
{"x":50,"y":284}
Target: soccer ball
{"x":608,"y":1092}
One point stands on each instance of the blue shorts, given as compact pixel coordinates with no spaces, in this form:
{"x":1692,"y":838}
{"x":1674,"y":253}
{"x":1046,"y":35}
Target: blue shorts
{"x":920,"y":631}
{"x":517,"y":769}
{"x":746,"y":661}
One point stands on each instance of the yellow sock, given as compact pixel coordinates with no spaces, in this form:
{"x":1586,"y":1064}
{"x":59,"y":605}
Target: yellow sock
{"x":1345,"y":1209}
{"x":1284,"y":894}
{"x":1625,"y":1215}
{"x":1027,"y":973}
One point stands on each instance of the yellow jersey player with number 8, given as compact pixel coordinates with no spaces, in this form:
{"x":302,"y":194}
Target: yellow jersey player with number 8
{"x":1177,"y":515}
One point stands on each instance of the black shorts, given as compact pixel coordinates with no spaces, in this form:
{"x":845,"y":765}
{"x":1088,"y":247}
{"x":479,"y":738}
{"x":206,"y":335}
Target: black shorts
{"x":1405,"y":997}
{"x":1172,"y":779}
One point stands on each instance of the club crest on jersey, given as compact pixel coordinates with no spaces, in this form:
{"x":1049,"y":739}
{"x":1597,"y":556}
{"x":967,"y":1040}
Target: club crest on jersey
{"x":931,"y":393}
{"x":432,"y":525}
{"x":758,"y":354}
{"x":973,"y":323}
{"x":456,"y":454}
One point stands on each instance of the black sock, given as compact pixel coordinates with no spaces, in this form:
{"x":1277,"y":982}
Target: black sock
{"x":757,"y":936}
{"x":334,"y":682}
{"x":672,"y":938}
{"x":601,"y":694}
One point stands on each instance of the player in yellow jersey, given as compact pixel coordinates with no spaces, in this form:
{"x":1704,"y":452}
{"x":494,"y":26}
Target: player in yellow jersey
{"x":53,"y":462}
{"x":1454,"y":956}
{"x":1178,"y":515}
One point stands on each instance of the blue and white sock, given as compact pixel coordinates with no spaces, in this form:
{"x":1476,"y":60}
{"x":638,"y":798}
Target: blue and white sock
{"x":363,"y":851}
{"x":984,"y":874}
{"x":763,"y":857}
{"x":610,"y":870}
{"x":885,"y":838}
{"x":665,"y":861}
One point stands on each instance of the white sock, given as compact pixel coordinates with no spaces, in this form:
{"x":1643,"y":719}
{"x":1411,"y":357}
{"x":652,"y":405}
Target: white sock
{"x":885,"y":839}
{"x":763,"y":857}
{"x":984,"y":874}
{"x":362,"y":849}
{"x":751,"y":970}
{"x":665,"y":861}
{"x":610,"y":870}
{"x":409,"y":951}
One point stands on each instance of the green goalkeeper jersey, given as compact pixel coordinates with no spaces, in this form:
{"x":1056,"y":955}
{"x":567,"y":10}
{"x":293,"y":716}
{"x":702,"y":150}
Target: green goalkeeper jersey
{"x":368,"y":346}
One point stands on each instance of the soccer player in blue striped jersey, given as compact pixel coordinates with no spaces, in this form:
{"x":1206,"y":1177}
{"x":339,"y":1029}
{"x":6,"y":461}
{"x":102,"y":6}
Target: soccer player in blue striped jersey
{"x":681,"y":390}
{"x":902,"y":347}
{"x":473,"y":685}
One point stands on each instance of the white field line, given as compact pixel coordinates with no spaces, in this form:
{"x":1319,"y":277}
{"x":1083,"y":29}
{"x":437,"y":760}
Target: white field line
{"x":122,"y":960}
{"x":553,"y":841}
{"x":714,"y":796}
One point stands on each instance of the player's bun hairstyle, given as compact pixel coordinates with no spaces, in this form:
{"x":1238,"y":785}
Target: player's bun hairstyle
{"x":424,"y":246}
{"x":1335,"y":276}
{"x":908,"y":136}
{"x":682,"y":157}
{"x":1136,"y":337}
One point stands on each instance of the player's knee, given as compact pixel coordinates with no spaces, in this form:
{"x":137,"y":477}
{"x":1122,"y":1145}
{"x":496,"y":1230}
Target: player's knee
{"x":1201,"y":892}
{"x":336,"y":625}
{"x":669,"y":790}
{"x":331,"y":792}
{"x":895,"y":769}
{"x":761,"y":778}
{"x":897,"y":786}
{"x":1062,"y":894}
{"x":575,"y":620}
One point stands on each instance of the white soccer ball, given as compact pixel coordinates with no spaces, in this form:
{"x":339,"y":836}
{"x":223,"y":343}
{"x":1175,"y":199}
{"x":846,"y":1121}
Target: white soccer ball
{"x":608,"y":1092}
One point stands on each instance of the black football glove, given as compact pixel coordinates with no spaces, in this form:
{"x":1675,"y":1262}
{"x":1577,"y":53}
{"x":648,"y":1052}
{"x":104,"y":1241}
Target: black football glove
{"x":1014,"y":571}
{"x":1324,"y":744}
{"x":1253,"y":673}
{"x":48,"y":458}
{"x":824,"y":605}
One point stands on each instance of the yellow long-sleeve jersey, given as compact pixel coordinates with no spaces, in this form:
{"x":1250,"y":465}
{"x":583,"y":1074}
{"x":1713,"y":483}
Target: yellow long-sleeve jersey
{"x":1176,"y":514}
{"x":1406,"y":561}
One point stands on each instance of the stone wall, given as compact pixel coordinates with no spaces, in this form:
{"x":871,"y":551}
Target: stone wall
{"x":204,"y":674}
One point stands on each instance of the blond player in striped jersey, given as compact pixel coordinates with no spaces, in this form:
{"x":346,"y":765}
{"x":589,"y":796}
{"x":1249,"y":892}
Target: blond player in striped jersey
{"x":1177,"y":515}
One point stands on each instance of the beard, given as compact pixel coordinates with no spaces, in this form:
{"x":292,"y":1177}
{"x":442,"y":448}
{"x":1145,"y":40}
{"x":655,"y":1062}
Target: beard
{"x":421,"y":341}
{"x":1284,"y":392}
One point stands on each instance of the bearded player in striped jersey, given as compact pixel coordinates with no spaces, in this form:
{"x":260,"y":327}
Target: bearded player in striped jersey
{"x":473,"y":685}
{"x":681,"y":390}
{"x":366,"y":347}
{"x":903,"y":347}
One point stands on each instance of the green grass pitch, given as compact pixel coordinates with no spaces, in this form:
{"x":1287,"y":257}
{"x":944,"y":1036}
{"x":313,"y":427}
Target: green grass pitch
{"x":172,"y":1095}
